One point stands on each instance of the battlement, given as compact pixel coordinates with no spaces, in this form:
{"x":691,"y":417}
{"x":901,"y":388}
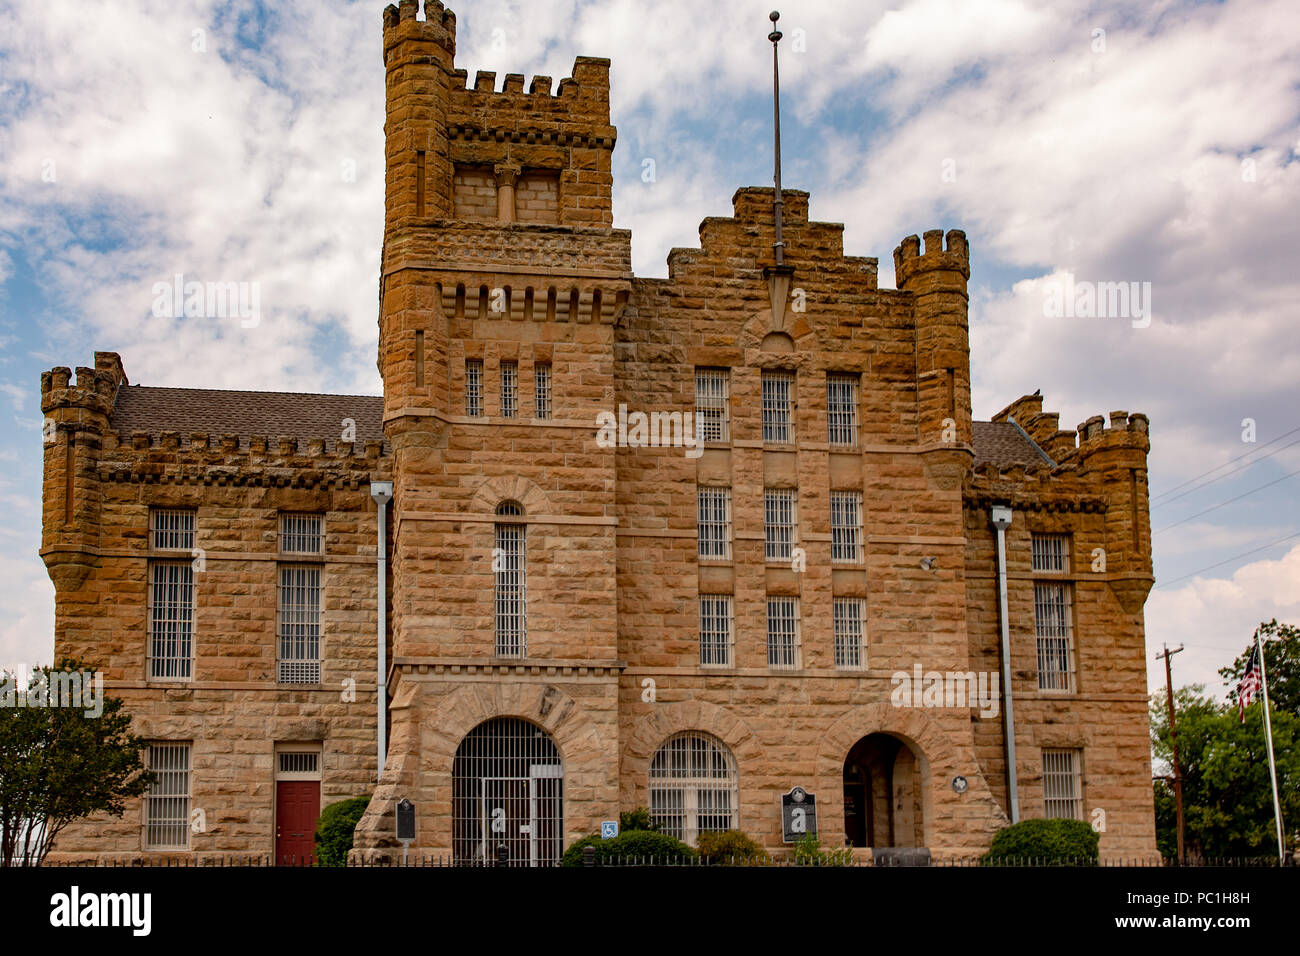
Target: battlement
{"x":1125,"y":430}
{"x":754,"y":204}
{"x":403,"y":21}
{"x":93,"y":390}
{"x":910,"y":261}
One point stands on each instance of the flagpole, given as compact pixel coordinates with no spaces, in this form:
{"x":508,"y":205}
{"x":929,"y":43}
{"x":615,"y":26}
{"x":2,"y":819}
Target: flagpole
{"x":1272,"y":766}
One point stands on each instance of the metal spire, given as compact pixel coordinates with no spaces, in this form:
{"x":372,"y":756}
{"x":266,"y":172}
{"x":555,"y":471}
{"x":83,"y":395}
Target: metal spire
{"x":778,"y":202}
{"x":778,"y":276}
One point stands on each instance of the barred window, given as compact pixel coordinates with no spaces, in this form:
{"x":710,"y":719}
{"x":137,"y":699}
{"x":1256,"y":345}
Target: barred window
{"x":714,"y":522}
{"x":842,"y":408}
{"x":783,"y":633}
{"x":1054,"y":628}
{"x":780,"y":522}
{"x":1051,"y":552}
{"x":778,"y":406}
{"x":167,"y":804}
{"x":171,"y":529}
{"x":474,"y":387}
{"x":846,"y":527}
{"x":299,"y":762}
{"x":712,"y":404}
{"x":509,"y":389}
{"x":542,"y":389}
{"x":302,"y":533}
{"x":693,"y":786}
{"x":299,"y":614}
{"x":717,"y":621}
{"x":1062,"y":784}
{"x":511,"y":598}
{"x":847,"y":613}
{"x":171,"y":620}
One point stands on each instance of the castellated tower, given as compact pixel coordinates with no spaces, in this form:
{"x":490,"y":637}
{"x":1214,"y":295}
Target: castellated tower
{"x":501,"y":284}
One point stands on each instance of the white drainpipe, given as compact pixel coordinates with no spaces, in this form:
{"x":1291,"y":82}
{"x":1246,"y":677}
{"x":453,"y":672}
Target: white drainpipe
{"x":1001,"y":517}
{"x":382,"y":492}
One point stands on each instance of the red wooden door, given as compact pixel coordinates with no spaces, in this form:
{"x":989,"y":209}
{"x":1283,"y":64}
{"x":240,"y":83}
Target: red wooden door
{"x":297,"y":807}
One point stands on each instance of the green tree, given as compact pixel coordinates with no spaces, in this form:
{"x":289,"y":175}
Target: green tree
{"x":1227,"y":797}
{"x":1281,"y":661}
{"x":60,"y":764}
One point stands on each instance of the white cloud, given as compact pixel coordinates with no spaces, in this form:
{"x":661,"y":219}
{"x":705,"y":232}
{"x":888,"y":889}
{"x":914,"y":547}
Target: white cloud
{"x":1215,"y":617}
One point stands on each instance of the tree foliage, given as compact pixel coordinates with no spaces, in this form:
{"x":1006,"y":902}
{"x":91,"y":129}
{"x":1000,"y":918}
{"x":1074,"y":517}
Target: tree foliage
{"x":1282,"y":662}
{"x":58,"y":765}
{"x":1227,"y":797}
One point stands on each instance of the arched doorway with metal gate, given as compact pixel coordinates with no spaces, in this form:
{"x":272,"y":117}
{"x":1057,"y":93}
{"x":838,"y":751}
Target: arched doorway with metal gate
{"x":507,"y":791}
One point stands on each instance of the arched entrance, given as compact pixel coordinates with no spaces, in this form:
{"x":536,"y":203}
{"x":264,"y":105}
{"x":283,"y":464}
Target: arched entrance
{"x":883,"y":794}
{"x":507,"y":786}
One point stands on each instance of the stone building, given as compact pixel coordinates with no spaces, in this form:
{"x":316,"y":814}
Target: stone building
{"x":583,"y":613}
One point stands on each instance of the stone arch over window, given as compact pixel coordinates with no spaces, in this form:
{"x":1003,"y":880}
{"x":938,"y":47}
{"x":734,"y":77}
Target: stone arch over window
{"x":693,"y":786}
{"x":666,"y":720}
{"x":494,"y":492}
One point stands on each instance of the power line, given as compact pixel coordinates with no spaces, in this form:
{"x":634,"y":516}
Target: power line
{"x":1230,"y":461}
{"x":1244,"y":494}
{"x":1226,"y":474}
{"x":1243,"y":554}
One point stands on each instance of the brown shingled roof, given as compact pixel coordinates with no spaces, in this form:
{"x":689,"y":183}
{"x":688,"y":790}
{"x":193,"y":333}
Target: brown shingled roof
{"x":1003,"y":444}
{"x":227,"y":412}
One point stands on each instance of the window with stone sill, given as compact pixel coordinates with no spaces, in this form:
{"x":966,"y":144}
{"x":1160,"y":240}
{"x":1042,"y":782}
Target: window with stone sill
{"x":778,"y":406}
{"x":167,"y":804}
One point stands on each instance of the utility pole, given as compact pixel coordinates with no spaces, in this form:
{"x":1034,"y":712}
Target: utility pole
{"x":1173,"y":743}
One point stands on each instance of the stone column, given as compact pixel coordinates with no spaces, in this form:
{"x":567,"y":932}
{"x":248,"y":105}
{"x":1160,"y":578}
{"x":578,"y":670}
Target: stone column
{"x":506,"y":176}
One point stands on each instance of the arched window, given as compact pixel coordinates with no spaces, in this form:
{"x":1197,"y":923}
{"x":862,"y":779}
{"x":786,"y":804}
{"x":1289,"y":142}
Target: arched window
{"x":509,"y":554}
{"x":693,"y":786}
{"x":507,"y":784}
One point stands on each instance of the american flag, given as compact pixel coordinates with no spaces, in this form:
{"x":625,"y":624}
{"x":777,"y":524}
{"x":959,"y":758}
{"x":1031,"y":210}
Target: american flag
{"x":1250,"y":684}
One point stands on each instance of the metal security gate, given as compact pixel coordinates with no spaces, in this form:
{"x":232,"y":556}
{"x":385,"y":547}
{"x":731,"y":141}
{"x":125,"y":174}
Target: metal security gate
{"x":507,"y":795}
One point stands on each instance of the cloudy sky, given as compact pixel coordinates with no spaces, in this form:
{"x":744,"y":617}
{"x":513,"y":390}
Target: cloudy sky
{"x":1108,"y":140}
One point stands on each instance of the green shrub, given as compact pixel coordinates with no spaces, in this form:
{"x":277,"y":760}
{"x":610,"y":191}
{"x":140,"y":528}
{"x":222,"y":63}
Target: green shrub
{"x":334,"y":830}
{"x":632,"y":844}
{"x":638,"y":819}
{"x":1045,"y":841}
{"x":808,"y":852}
{"x":729,"y":848}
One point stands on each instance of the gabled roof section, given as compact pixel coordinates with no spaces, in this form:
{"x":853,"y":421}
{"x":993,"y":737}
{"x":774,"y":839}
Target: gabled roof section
{"x":1004,"y":444}
{"x":229,"y":412}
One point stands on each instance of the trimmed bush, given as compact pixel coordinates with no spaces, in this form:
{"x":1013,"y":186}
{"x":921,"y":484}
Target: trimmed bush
{"x":1045,"y":841}
{"x":730,"y":848}
{"x":334,"y":830}
{"x":630,"y":845}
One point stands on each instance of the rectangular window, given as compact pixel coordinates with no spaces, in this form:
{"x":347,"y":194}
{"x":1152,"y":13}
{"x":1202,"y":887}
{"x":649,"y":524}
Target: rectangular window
{"x":299,"y":623}
{"x":716,"y":623}
{"x":1055,"y":632}
{"x":171,"y":529}
{"x":712,"y":404}
{"x":780,"y":521}
{"x":167,"y":804}
{"x":715,"y":523}
{"x":1062,"y":784}
{"x":1051,"y":552}
{"x":302,"y":533}
{"x":842,"y":408}
{"x":846,"y":527}
{"x":778,"y":406}
{"x":474,"y":387}
{"x":847,"y":613}
{"x":783,"y":633}
{"x":511,"y":591}
{"x":542,"y":389}
{"x":171,"y":620}
{"x":509,"y":389}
